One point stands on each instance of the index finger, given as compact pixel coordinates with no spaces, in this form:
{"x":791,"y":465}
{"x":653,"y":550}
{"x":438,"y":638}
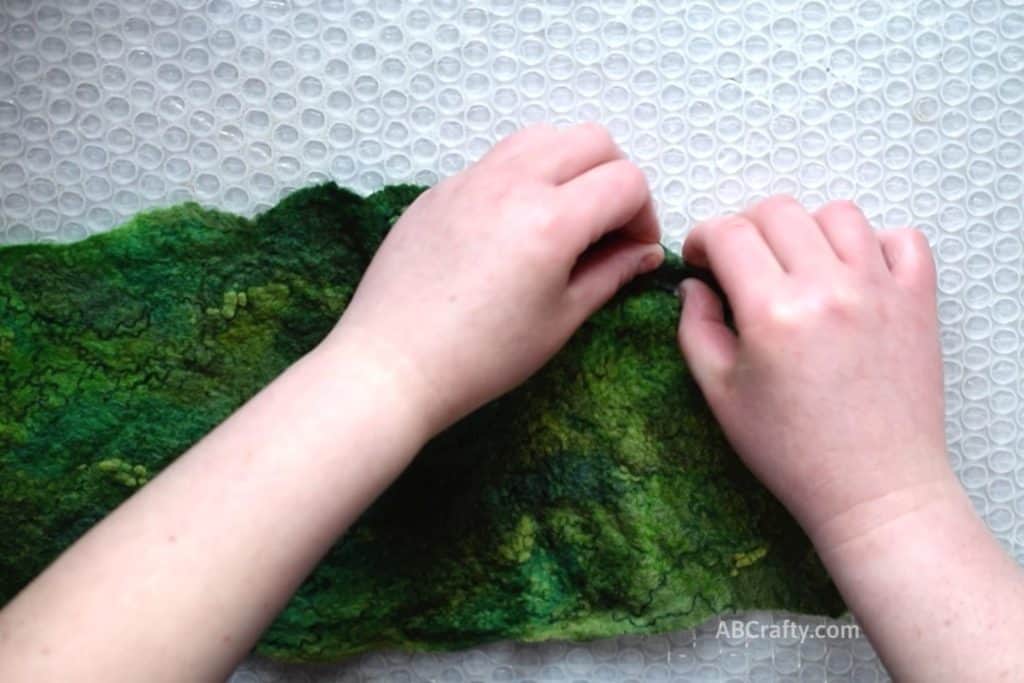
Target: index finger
{"x":735,"y":251}
{"x":557,"y":155}
{"x":612,"y":196}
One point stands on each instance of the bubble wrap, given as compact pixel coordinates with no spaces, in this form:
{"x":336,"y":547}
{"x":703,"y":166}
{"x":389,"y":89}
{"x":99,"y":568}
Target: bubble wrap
{"x":914,"y":109}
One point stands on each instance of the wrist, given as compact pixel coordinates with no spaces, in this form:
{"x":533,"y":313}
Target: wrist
{"x":384,"y":383}
{"x":853,"y":494}
{"x":927,"y":583}
{"x":911,"y":508}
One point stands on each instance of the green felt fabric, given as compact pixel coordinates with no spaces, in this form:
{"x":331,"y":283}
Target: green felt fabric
{"x":599,"y":498}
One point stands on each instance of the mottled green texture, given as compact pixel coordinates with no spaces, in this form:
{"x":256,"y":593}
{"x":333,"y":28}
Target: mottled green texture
{"x":599,"y":498}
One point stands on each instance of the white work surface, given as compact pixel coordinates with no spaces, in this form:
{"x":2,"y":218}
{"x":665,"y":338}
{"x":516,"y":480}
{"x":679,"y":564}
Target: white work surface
{"x":916,"y":110}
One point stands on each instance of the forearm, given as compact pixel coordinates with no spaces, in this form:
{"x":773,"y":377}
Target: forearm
{"x":936,"y":594}
{"x":182,"y":579}
{"x":475,"y":287}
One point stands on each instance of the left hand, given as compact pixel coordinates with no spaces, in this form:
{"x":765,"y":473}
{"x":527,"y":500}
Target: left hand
{"x":490,"y":272}
{"x":831,"y":390}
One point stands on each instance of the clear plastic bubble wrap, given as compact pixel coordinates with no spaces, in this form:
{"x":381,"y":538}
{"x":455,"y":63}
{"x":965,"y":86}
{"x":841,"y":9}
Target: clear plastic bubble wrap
{"x":913,"y":109}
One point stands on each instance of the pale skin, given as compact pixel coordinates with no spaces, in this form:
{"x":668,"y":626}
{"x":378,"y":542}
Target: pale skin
{"x":830,"y":390}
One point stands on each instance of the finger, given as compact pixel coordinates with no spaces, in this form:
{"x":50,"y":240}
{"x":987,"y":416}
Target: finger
{"x":852,"y":239}
{"x":611,"y":196}
{"x":557,"y":155}
{"x":533,"y":139}
{"x":603,"y":271}
{"x":736,"y":252}
{"x":644,"y":225}
{"x":909,"y":259}
{"x":577,"y":150}
{"x":796,"y":239}
{"x":708,"y":345}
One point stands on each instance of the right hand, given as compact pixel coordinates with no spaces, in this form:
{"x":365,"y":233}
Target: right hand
{"x":831,"y":387}
{"x":490,"y":272}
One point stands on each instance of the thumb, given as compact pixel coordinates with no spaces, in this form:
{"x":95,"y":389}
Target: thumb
{"x":601,"y":273}
{"x":708,"y":345}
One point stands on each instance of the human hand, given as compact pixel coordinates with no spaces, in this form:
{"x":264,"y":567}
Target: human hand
{"x":831,"y":387}
{"x":490,"y":272}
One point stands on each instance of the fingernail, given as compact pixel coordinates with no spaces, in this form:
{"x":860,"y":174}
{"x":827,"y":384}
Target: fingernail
{"x":651,"y":261}
{"x":681,"y":291}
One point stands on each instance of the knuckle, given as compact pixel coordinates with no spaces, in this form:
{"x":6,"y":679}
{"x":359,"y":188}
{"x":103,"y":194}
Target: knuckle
{"x":778,"y":317}
{"x":912,"y":241}
{"x":629,"y":175}
{"x":516,"y":139}
{"x":546,"y":219}
{"x":542,"y":216}
{"x":736,"y":223}
{"x":596,"y":135}
{"x":535,"y":129}
{"x":836,"y":305}
{"x":841,"y":302}
{"x":917,"y":241}
{"x":841,"y":207}
{"x":778,"y":201}
{"x":506,"y":145}
{"x":543,"y":243}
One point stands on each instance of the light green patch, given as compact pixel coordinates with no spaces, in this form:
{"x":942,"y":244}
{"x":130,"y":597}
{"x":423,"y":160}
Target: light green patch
{"x":229,"y":305}
{"x":124,"y":472}
{"x":519,"y":544}
{"x":269,"y":298}
{"x":747,"y":559}
{"x":6,"y":341}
